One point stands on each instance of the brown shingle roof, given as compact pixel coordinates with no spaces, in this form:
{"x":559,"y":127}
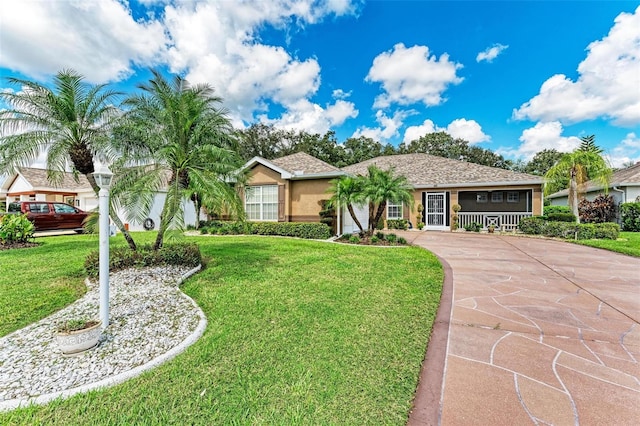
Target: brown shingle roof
{"x":38,"y":180}
{"x":630,"y":175}
{"x":424,"y":170}
{"x":301,"y":161}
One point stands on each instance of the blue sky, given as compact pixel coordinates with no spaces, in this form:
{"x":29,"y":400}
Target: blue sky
{"x":512,"y":76}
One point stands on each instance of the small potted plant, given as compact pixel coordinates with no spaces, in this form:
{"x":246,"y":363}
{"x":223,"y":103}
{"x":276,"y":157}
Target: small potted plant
{"x":491,"y":228}
{"x":77,"y":335}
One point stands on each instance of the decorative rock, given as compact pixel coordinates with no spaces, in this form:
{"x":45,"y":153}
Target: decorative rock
{"x":150,"y":316}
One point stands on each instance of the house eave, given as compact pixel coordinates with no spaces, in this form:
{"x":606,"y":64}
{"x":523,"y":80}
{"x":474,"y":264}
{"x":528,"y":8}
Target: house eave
{"x":477,"y":184}
{"x":324,"y":175}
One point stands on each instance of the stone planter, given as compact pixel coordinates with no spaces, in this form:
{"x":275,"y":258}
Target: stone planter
{"x":74,"y":342}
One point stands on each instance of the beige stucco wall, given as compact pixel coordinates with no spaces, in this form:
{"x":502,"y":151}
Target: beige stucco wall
{"x":305,"y":199}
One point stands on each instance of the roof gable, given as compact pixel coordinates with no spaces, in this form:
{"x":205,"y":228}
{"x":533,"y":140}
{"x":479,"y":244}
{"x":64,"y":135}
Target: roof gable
{"x":37,"y":180}
{"x":297,"y":166}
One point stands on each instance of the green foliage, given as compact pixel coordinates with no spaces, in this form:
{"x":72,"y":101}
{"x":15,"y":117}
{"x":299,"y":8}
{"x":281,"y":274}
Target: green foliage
{"x":401,"y":224}
{"x":556,"y":209}
{"x":402,"y":240}
{"x":392,"y":238}
{"x":185,"y":254}
{"x":374,"y":239}
{"x":473,"y":226}
{"x":382,"y":186}
{"x":561,"y":217}
{"x":15,"y":228}
{"x":308,"y":230}
{"x":354,"y":239}
{"x":380,"y":235}
{"x":543,"y":161}
{"x":420,"y":225}
{"x":75,"y":325}
{"x":601,"y":210}
{"x":630,"y":215}
{"x":537,"y":225}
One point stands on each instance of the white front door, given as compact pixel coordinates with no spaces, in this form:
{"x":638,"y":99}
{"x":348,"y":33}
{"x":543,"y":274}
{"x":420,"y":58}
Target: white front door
{"x":435,"y":211}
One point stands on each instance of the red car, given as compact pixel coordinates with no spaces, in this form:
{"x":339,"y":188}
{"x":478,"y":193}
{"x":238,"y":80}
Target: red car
{"x":47,"y":215}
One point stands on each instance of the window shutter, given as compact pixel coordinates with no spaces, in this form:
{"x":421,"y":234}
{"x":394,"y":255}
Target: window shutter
{"x":281,"y":217}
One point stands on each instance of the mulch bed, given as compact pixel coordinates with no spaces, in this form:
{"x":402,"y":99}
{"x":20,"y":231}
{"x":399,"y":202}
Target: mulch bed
{"x":18,"y":246}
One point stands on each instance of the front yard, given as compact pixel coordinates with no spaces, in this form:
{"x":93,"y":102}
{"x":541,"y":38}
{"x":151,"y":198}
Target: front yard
{"x":300,"y":332}
{"x":627,"y":243}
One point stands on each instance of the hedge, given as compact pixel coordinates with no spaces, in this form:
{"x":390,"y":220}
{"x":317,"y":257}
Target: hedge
{"x":630,"y":215}
{"x":561,"y":217}
{"x":537,"y":225}
{"x":402,"y":224}
{"x":183,"y":254}
{"x":308,"y":230}
{"x":556,"y":209}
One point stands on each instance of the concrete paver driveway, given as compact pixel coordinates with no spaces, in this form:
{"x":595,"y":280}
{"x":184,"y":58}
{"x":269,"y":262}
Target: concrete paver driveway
{"x":540,"y":332}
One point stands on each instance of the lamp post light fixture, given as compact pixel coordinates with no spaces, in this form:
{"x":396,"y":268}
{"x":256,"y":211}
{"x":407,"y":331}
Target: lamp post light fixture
{"x":103,"y":176}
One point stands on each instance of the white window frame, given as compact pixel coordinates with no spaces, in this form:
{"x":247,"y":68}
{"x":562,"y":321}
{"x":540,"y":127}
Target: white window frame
{"x":482,"y":197}
{"x":513,"y":197}
{"x":397,"y":207}
{"x":496,"y":197}
{"x":260,"y":192}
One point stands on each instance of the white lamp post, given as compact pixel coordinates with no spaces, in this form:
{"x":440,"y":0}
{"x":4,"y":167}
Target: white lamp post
{"x":103,"y":178}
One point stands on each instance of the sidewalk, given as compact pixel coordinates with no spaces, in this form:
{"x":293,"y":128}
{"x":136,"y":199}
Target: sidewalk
{"x":540,"y":332}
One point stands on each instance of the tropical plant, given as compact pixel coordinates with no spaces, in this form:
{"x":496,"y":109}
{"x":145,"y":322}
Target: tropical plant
{"x":176,"y":137}
{"x":71,"y":123}
{"x":578,"y":166}
{"x":347,"y":191}
{"x":380,"y":187}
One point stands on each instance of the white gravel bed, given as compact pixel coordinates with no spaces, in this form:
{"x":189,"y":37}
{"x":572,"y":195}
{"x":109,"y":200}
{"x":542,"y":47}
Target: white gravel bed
{"x":151,"y":321}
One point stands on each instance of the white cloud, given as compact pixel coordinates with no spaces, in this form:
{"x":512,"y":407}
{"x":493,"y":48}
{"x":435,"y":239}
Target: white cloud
{"x":388,"y":129}
{"x":340,"y":94}
{"x":543,"y":136}
{"x":412,"y":75}
{"x":468,"y":130}
{"x":628,"y":150}
{"x":312,"y":118}
{"x":607,"y":86}
{"x":490,"y":53}
{"x":100,"y":40}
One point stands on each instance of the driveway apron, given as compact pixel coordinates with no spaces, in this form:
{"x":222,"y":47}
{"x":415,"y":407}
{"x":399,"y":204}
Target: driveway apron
{"x":540,"y":332}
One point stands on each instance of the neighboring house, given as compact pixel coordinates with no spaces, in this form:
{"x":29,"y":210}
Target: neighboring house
{"x":292,"y":188}
{"x":3,"y":193}
{"x":31,"y":184}
{"x":624,"y":187}
{"x":287,"y":189}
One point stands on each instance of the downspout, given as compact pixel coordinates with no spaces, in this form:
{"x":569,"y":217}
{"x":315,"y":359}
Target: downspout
{"x":339,"y":214}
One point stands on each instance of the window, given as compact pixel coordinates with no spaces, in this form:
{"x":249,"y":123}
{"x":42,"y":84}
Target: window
{"x":63,"y":208}
{"x":261,"y":202}
{"x":481,"y":197}
{"x":39,"y":208}
{"x":496,"y":197}
{"x":394,"y":211}
{"x":513,"y":197}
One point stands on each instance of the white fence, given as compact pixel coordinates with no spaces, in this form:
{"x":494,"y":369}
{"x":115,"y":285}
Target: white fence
{"x":505,"y":221}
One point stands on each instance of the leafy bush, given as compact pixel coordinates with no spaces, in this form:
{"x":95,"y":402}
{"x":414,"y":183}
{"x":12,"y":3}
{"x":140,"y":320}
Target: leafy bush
{"x":556,"y":209}
{"x":354,"y":239}
{"x":401,"y":224}
{"x":420,"y":225}
{"x":392,"y":238}
{"x":561,"y":217}
{"x":601,"y":210}
{"x":16,"y":228}
{"x":473,"y":226}
{"x":380,"y":235}
{"x":536,"y":225}
{"x":309,"y":230}
{"x":374,"y":239}
{"x":402,"y":240}
{"x":184,"y":254}
{"x":630,"y":215}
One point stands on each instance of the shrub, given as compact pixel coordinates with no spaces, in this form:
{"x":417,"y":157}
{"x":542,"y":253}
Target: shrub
{"x":420,"y":225}
{"x":401,"y":224}
{"x":538,"y":226}
{"x":402,"y":240}
{"x":308,"y":230}
{"x":392,"y":238}
{"x":16,"y":228}
{"x":561,"y":217}
{"x":630,"y":216}
{"x":602,"y":209}
{"x":473,"y":226}
{"x":607,"y":231}
{"x":533,"y":225}
{"x":179,"y":254}
{"x":354,"y":239}
{"x":556,"y":209}
{"x":374,"y":239}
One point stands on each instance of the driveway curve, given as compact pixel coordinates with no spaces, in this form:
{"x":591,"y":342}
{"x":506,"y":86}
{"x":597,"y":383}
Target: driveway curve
{"x":539,"y":332}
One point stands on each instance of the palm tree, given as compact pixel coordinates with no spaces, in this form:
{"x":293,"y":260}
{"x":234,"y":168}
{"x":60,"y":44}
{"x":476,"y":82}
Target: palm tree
{"x":347,"y":191}
{"x":380,"y":187}
{"x":175,"y":138}
{"x":71,"y":123}
{"x":577,"y":166}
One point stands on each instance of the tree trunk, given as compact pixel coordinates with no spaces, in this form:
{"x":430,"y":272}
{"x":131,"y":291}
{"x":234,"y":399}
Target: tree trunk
{"x":354,"y":217}
{"x":573,"y":196}
{"x":380,"y":211}
{"x":372,"y":223}
{"x":113,"y":214}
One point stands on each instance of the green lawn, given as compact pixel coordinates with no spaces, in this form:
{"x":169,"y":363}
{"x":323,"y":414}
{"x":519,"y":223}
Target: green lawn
{"x":300,"y":332}
{"x":627,"y":243}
